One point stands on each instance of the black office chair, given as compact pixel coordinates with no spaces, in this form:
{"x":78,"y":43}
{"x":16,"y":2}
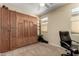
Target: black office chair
{"x":66,"y":42}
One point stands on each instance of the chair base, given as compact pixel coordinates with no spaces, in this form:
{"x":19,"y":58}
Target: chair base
{"x":66,"y":54}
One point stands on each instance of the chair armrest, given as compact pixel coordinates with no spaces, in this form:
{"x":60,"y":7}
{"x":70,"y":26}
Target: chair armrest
{"x":66,"y":44}
{"x":75,"y":41}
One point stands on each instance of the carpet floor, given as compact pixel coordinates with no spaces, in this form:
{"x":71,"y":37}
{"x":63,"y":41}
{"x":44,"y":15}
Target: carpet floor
{"x":37,"y":49}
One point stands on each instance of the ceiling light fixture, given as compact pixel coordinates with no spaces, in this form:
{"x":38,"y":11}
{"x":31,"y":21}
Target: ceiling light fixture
{"x":42,"y":4}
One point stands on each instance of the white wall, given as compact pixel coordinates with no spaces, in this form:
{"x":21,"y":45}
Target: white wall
{"x":58,"y":20}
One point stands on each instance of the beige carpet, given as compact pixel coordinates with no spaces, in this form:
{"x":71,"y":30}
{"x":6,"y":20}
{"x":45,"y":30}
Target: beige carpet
{"x":38,"y":49}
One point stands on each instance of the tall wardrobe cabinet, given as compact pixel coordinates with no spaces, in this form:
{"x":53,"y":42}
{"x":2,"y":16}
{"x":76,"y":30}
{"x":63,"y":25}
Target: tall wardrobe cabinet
{"x":16,"y":29}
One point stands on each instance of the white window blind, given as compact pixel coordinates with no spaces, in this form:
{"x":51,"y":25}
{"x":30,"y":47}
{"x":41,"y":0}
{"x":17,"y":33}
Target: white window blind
{"x":75,"y":24}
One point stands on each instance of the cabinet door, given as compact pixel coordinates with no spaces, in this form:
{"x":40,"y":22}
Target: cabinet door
{"x":0,"y":32}
{"x":26,"y":40}
{"x":20,"y":34}
{"x":5,"y":30}
{"x":13,"y":30}
{"x":34,"y":33}
{"x":29,"y":32}
{"x":19,"y":31}
{"x":31,"y":29}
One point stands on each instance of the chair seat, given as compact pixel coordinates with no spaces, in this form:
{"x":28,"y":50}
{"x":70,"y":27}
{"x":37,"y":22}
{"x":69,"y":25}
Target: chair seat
{"x":75,"y":49}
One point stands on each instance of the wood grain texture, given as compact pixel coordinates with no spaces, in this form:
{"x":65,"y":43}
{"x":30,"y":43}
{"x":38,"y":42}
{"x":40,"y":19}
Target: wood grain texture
{"x":12,"y":16}
{"x":0,"y":32}
{"x":25,"y":30}
{"x":5,"y":32}
{"x":16,"y":30}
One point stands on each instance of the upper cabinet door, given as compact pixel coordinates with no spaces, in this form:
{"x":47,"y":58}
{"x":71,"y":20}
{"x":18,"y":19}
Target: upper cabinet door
{"x":5,"y":31}
{"x":13,"y":29}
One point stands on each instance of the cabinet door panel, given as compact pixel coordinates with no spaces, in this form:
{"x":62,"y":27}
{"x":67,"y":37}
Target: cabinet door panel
{"x":19,"y":30}
{"x":34,"y":33}
{"x":5,"y":30}
{"x":20,"y":35}
{"x":26,"y":32}
{"x":0,"y":32}
{"x":29,"y":32}
{"x":13,"y":30}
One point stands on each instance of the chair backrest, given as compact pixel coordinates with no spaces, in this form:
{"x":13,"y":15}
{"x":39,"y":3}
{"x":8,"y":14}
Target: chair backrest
{"x":64,"y":36}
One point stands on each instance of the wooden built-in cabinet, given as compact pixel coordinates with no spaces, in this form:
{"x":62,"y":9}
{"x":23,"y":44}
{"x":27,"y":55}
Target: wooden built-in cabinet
{"x":16,"y":29}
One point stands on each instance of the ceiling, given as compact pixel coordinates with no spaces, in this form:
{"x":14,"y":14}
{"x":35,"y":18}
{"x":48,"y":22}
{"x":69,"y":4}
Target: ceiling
{"x":33,"y":8}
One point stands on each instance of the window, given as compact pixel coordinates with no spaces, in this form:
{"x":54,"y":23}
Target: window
{"x":75,"y":24}
{"x":44,"y":22}
{"x":75,"y":21}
